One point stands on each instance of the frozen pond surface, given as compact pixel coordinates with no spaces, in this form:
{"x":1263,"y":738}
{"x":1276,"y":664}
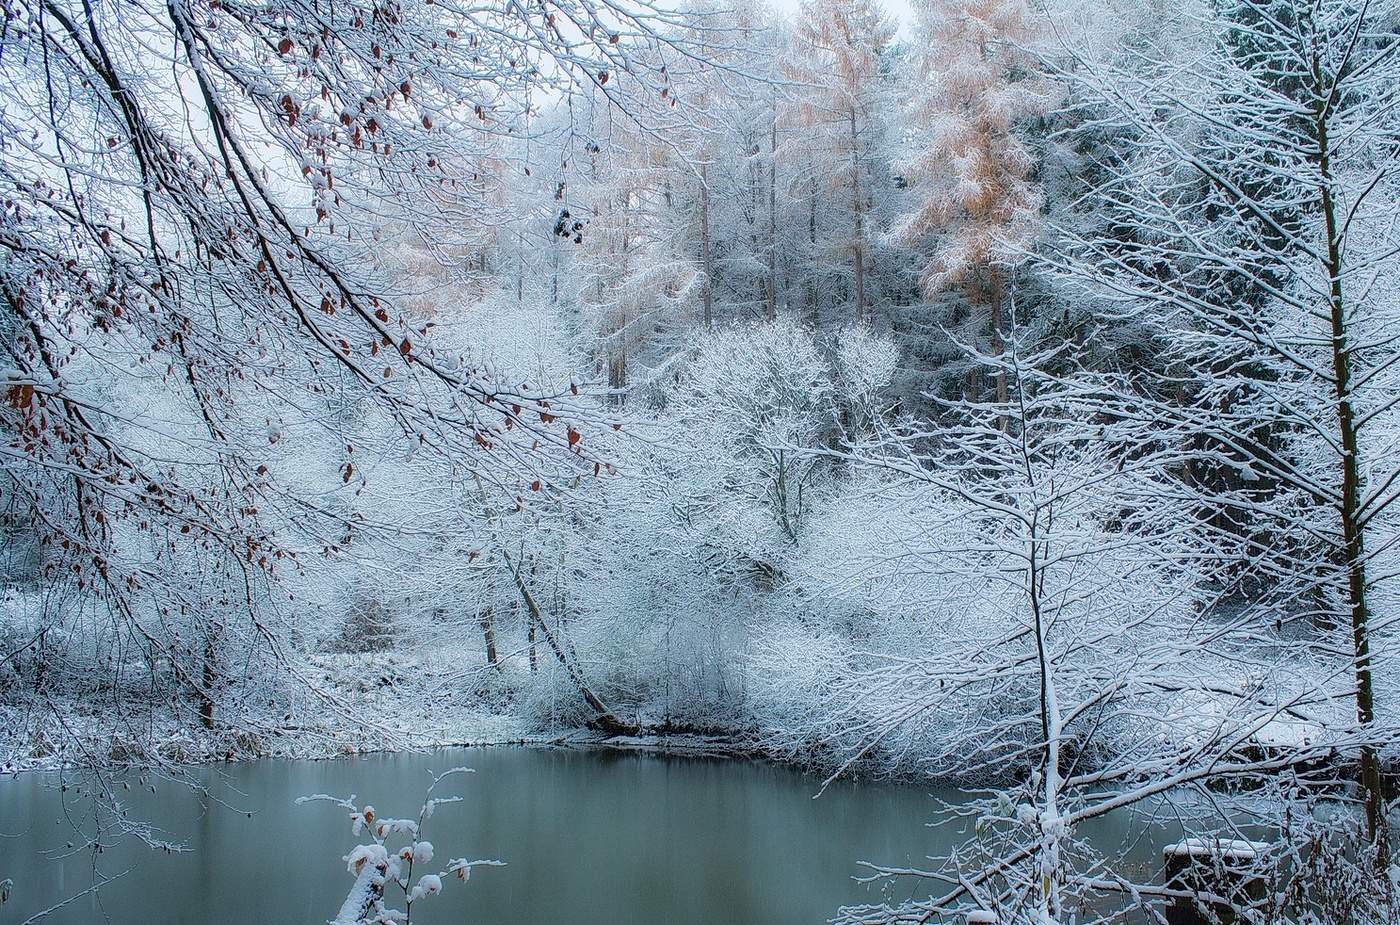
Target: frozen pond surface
{"x":588,"y":837}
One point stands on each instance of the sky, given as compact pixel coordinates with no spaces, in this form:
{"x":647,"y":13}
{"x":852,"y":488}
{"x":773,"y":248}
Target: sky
{"x":901,"y":11}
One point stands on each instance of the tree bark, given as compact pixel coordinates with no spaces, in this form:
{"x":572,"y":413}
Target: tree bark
{"x":1353,"y":534}
{"x":488,"y":632}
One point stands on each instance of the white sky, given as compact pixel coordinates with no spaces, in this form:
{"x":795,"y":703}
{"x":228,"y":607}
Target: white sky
{"x":901,"y":11}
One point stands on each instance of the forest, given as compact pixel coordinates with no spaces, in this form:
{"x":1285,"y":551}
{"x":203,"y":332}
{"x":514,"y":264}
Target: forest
{"x":997,"y":393}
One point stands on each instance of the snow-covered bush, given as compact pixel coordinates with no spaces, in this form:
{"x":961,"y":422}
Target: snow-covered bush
{"x":391,"y":865}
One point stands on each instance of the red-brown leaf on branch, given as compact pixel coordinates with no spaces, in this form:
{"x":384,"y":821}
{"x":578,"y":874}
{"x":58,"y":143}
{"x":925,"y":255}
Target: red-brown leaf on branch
{"x":21,"y":395}
{"x":284,"y":46}
{"x":574,"y":436}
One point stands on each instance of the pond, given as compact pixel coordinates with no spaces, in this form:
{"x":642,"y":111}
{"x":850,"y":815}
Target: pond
{"x":588,"y":837}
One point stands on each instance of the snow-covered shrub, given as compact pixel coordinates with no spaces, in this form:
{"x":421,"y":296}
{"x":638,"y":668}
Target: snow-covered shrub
{"x":368,"y":625}
{"x":391,"y":863}
{"x":1317,"y":863}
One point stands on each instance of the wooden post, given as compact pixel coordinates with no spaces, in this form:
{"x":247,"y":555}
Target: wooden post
{"x":1219,"y":868}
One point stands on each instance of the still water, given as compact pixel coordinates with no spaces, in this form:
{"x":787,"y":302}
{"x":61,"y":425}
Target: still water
{"x":588,"y":838}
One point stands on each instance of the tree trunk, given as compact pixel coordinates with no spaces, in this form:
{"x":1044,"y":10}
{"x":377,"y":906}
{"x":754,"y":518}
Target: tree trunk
{"x":210,"y":675}
{"x":858,"y":239}
{"x":996,"y":296}
{"x":1051,"y":723}
{"x":488,"y":632}
{"x":617,"y":367}
{"x":706,"y":260}
{"x":1353,"y":537}
{"x":813,"y":314}
{"x":772,"y":301}
{"x":617,"y":350}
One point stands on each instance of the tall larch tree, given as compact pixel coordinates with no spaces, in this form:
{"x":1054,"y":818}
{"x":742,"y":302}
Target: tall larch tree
{"x":839,"y":50}
{"x":975,"y":205}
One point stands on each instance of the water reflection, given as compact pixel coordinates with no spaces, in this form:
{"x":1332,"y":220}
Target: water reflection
{"x":589,"y":837}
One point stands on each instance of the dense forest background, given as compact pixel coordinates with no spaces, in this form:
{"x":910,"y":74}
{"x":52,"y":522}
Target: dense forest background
{"x":1008,"y":395}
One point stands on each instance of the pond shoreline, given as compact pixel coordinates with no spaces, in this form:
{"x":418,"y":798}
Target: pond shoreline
{"x":716,"y":745}
{"x":172,"y":746}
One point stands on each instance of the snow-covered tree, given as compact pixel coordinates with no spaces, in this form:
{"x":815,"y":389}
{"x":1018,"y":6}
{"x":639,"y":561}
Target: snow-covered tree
{"x":1254,"y":194}
{"x":839,"y":53}
{"x":976,"y":208}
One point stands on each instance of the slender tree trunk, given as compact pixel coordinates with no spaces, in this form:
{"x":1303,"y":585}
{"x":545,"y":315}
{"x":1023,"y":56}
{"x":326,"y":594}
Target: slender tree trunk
{"x":488,"y":632}
{"x":617,"y":366}
{"x":857,"y":208}
{"x":617,"y":350}
{"x":554,"y":276}
{"x":530,"y":643}
{"x":519,"y":267}
{"x":706,"y":260}
{"x":772,"y":307}
{"x":754,"y":216}
{"x":996,"y":296}
{"x":210,"y":675}
{"x":1051,"y":729}
{"x":813,"y":311}
{"x":1353,"y":536}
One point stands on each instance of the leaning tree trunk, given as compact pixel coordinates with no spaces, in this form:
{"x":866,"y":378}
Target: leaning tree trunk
{"x":605,"y":718}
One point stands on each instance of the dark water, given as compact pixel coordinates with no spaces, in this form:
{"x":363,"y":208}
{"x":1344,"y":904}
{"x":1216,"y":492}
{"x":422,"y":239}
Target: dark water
{"x":588,"y":837}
